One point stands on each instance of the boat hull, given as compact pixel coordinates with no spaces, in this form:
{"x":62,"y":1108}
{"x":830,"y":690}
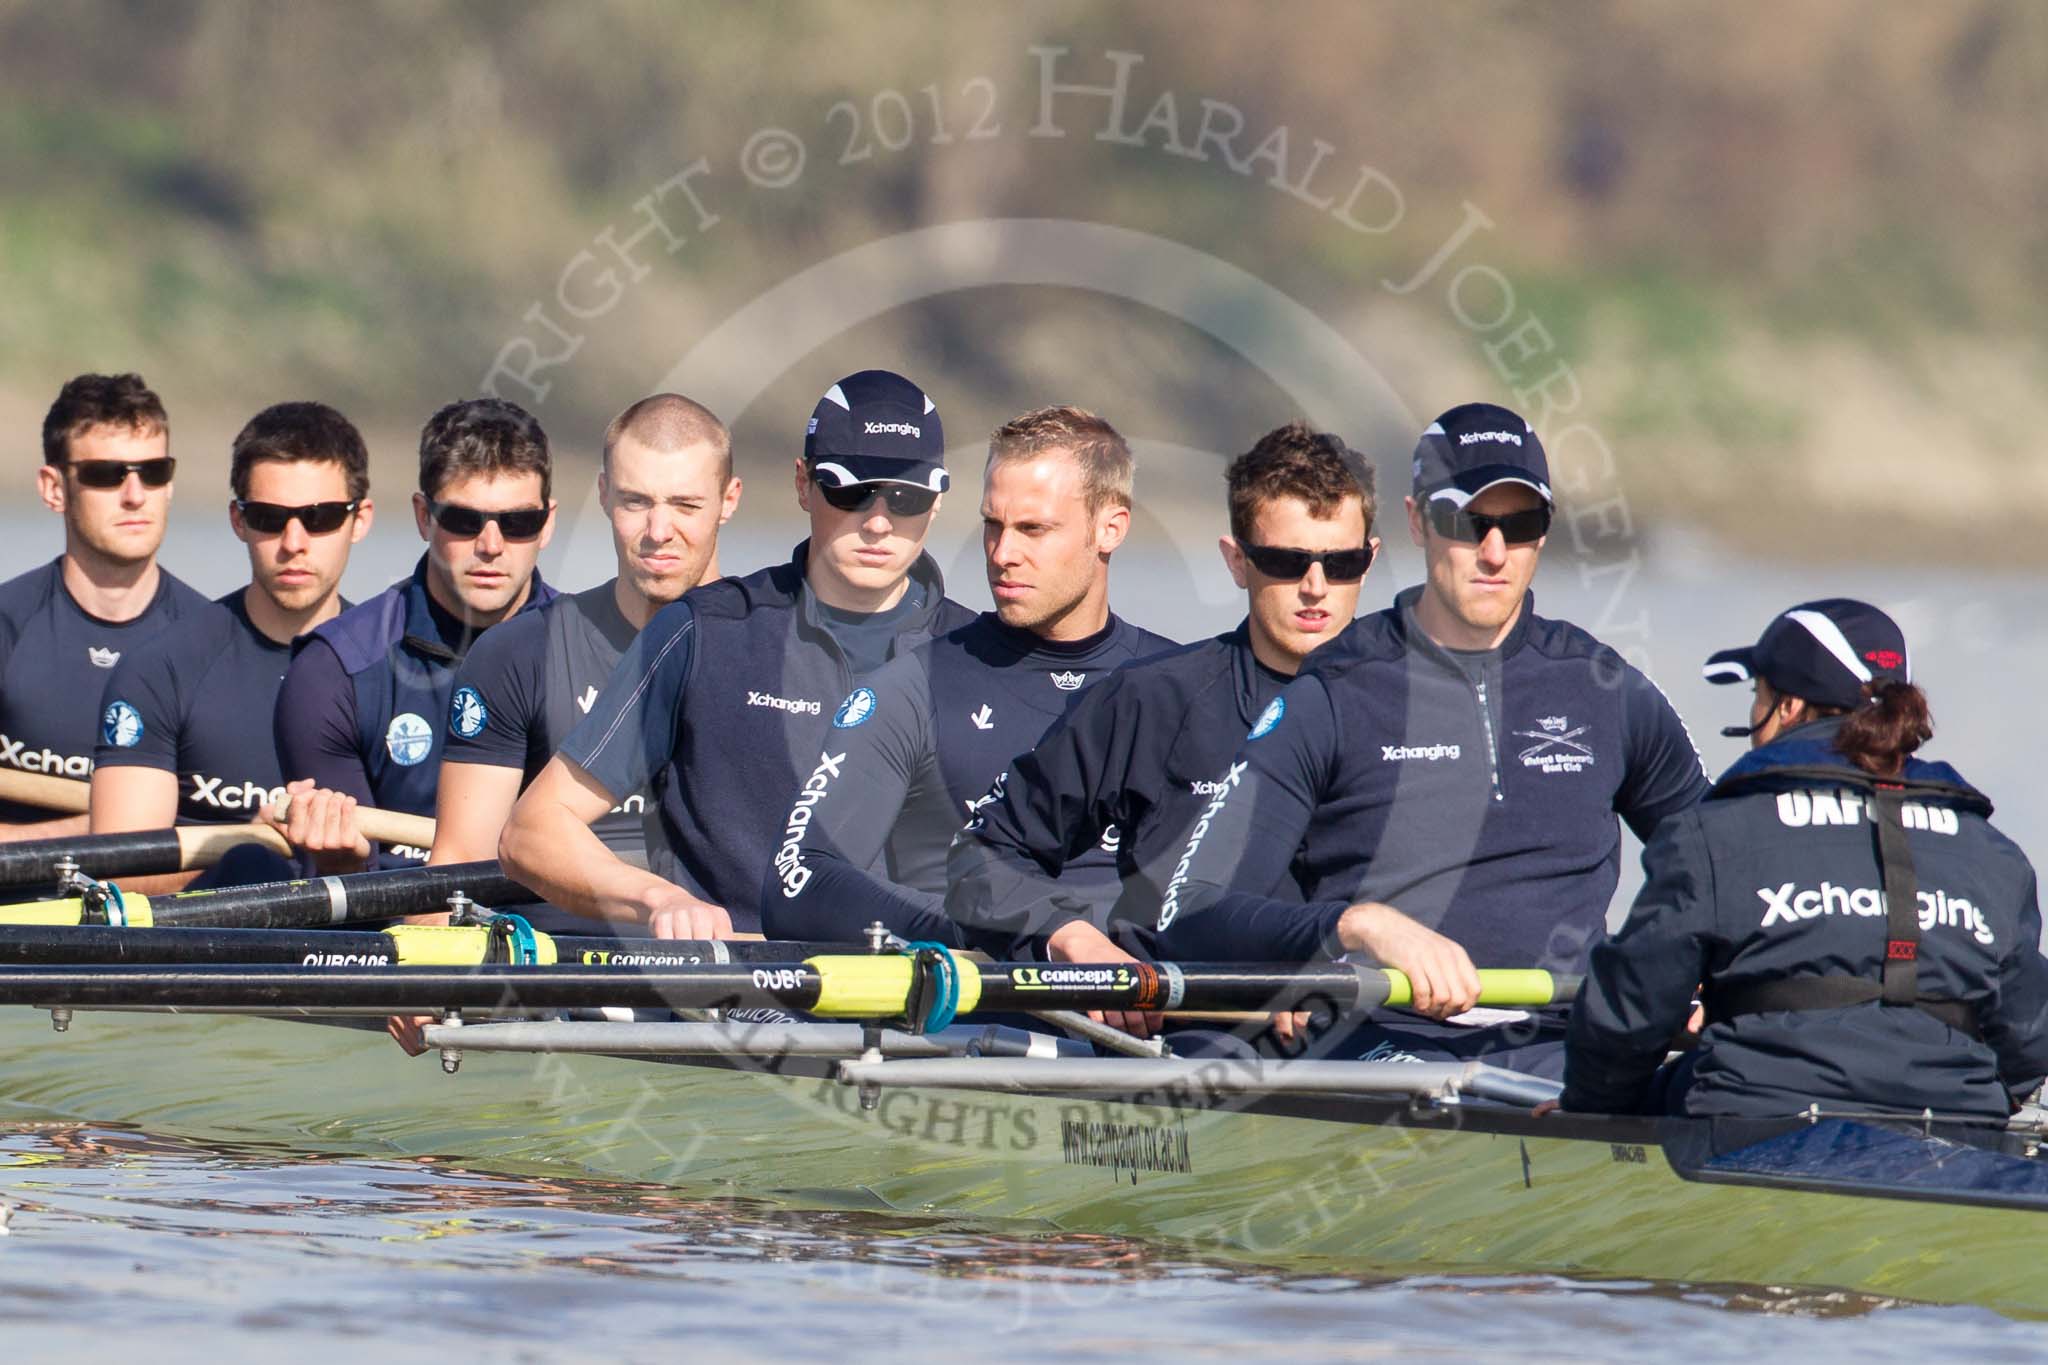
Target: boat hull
{"x":1316,"y":1185}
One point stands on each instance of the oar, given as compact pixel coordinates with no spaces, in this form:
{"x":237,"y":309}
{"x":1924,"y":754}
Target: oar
{"x":400,"y":945}
{"x":352,"y":899}
{"x":135,"y":853}
{"x":853,"y":986}
{"x":74,"y":797}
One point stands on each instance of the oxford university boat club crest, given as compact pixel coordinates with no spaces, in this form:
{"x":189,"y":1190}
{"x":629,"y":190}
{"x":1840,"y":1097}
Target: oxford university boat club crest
{"x":467,"y":714}
{"x":408,"y":739}
{"x":1558,"y":748}
{"x":855,"y":709}
{"x":121,"y":725}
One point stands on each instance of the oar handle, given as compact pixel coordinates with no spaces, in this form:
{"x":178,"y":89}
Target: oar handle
{"x":73,"y":797}
{"x":205,"y":845}
{"x":65,"y":794}
{"x":385,"y":826}
{"x":1499,"y":987}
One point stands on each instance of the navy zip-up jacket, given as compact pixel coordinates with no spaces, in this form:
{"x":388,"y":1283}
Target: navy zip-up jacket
{"x":721,"y":707}
{"x":1477,"y":793}
{"x":363,"y":708}
{"x":1141,"y":753}
{"x":922,"y":737}
{"x":1777,"y":875}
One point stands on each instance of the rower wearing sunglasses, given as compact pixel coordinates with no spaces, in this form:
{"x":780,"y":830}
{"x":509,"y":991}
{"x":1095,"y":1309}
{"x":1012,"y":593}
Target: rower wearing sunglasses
{"x":1441,"y":784}
{"x":722,"y":707}
{"x":923,"y":736}
{"x":182,"y":738}
{"x":666,"y":486}
{"x":63,"y":627}
{"x":363,"y":713}
{"x":1146,"y":750}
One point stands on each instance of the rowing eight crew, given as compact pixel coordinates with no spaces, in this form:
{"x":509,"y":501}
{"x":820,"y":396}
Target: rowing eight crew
{"x":1304,"y":837}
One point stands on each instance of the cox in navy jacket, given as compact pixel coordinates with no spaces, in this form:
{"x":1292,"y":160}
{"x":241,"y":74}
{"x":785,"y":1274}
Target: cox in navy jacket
{"x":1777,"y":877}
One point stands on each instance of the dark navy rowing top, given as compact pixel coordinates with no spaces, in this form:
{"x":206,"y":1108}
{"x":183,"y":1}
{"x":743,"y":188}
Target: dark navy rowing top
{"x":920,"y":741}
{"x":364,"y":705}
{"x":1478,"y":794}
{"x":54,"y":663}
{"x":1143,"y":753}
{"x":525,"y":684}
{"x":721,"y":707}
{"x":195,"y":701}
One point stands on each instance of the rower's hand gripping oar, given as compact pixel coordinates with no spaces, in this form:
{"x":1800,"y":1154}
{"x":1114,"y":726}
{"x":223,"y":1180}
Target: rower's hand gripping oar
{"x":193,"y":846}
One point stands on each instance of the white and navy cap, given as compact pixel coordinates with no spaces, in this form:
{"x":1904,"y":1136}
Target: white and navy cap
{"x":1475,"y":446}
{"x":876,"y":427}
{"x":1824,"y":651}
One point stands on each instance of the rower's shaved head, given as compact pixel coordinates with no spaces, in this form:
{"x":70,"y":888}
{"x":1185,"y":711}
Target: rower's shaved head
{"x":669,"y":422}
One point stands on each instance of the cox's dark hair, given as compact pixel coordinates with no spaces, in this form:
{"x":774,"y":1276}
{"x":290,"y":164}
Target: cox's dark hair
{"x":1879,"y":737}
{"x":1296,"y":461}
{"x":301,"y":431}
{"x":100,"y":400}
{"x":483,"y":436}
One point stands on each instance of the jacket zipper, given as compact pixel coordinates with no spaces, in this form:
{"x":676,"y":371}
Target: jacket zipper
{"x":1492,"y":749}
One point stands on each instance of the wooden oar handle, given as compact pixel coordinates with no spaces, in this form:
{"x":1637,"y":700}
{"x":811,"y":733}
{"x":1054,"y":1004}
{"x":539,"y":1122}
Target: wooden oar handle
{"x":73,"y":797}
{"x":386,"y":826}
{"x":205,"y":845}
{"x":65,"y":794}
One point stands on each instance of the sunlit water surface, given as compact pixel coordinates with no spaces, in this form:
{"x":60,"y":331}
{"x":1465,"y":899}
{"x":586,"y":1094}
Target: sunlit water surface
{"x":120,"y":1241}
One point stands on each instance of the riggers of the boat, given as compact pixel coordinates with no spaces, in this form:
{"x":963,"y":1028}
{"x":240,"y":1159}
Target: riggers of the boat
{"x":1383,"y":1168}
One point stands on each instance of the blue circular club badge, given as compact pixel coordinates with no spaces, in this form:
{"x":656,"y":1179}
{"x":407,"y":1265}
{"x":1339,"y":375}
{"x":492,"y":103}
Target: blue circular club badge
{"x":855,"y":709}
{"x":409,"y":739}
{"x":121,"y":725}
{"x":467,"y":714}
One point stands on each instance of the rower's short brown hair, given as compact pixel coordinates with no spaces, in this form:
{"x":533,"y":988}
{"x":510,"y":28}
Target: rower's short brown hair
{"x":1107,"y":470}
{"x":301,"y":431}
{"x":1297,"y":461}
{"x":483,"y":436}
{"x":670,"y":422}
{"x":100,"y":400}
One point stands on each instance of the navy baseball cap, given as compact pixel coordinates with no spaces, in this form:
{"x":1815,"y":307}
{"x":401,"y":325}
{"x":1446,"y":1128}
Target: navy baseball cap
{"x":1822,"y":651}
{"x":876,"y":427}
{"x":1475,"y":446}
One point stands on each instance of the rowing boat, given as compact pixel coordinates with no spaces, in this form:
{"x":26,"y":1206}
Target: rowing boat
{"x":1326,"y":1165}
{"x":1331,"y":1166}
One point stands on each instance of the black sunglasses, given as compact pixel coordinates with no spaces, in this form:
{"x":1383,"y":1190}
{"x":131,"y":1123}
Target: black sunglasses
{"x":1516,"y":528}
{"x":521,"y":523}
{"x":1339,"y":566}
{"x":905,"y":500}
{"x":270,"y":518}
{"x":113,"y":473}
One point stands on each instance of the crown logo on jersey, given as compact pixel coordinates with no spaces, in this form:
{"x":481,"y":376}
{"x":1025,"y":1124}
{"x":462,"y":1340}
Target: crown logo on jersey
{"x":102,"y":658}
{"x":1556,"y":725}
{"x":1068,"y":682}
